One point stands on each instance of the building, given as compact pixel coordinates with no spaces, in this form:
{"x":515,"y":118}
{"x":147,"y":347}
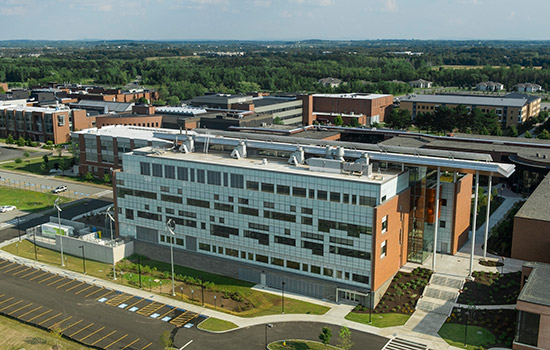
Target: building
{"x":420,"y":84}
{"x":102,"y":107}
{"x":99,"y":93}
{"x":489,"y":86}
{"x":225,"y":120}
{"x":224,"y":101}
{"x":330,"y":82}
{"x":511,"y":109}
{"x":332,"y":220}
{"x":533,"y":305}
{"x":40,"y":124}
{"x":373,"y":106}
{"x":531,"y":238}
{"x":527,"y":87}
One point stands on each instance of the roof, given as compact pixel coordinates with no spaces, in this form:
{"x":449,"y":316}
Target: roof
{"x":536,"y":289}
{"x":33,"y":109}
{"x":188,"y":111}
{"x":330,"y":81}
{"x":271,"y":100}
{"x":490,"y":83}
{"x":111,"y":106}
{"x":537,"y":206}
{"x":528,"y":85}
{"x":130,"y":132}
{"x":530,"y":98}
{"x":419,"y":81}
{"x":222,"y":98}
{"x":467,"y":100}
{"x":353,"y":96}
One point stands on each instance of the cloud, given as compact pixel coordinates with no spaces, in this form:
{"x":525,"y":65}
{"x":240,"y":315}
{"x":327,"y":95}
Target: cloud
{"x":314,"y":2}
{"x":390,"y":5}
{"x":105,"y":7}
{"x":209,"y":2}
{"x":12,"y":11}
{"x":262,"y":3}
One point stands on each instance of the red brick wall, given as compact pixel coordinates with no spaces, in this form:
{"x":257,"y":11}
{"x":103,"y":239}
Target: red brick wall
{"x":531,"y":240}
{"x":462,"y":211}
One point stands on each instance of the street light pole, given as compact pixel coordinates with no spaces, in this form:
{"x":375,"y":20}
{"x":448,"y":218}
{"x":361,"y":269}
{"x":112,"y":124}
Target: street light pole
{"x":111,"y":219}
{"x":139,"y":270}
{"x":18,"y":229}
{"x":283,"y":298}
{"x":83,"y":259}
{"x":56,"y":206}
{"x":370,"y":306}
{"x":34,"y":238}
{"x":171,"y":225}
{"x":268,"y":325}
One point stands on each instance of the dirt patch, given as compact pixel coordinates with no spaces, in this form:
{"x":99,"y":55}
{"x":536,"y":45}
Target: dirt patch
{"x":491,"y":263}
{"x":403,"y":293}
{"x":491,"y":288}
{"x":502,"y":323}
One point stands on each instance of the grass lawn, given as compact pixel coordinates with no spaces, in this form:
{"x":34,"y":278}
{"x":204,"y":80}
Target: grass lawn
{"x":216,"y":325}
{"x":263,"y":303}
{"x":477,"y":338}
{"x":84,"y":180}
{"x":28,"y":200}
{"x":17,"y":335}
{"x":32,"y":165}
{"x":300,"y":345}
{"x":379,"y":320}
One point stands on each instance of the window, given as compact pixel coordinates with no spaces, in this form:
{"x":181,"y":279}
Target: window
{"x":214,"y":178}
{"x":243,"y":201}
{"x":232,"y":252}
{"x":346,"y":198}
{"x":223,"y":231}
{"x":322,"y":195}
{"x":528,"y":328}
{"x":224,"y":207}
{"x":269,"y":205}
{"x":252,"y":185}
{"x":258,"y":226}
{"x":198,"y":203}
{"x":307,"y":211}
{"x":171,"y":199}
{"x":169,"y":211}
{"x":442,"y":223}
{"x":384,"y":224}
{"x":307,"y":220}
{"x":237,"y":181}
{"x":144,"y":168}
{"x":149,"y":216}
{"x":204,"y":246}
{"x":183,"y":174}
{"x":279,"y":216}
{"x":200,"y":176}
{"x":367,"y":201}
{"x":248,"y":211}
{"x":314,"y":236}
{"x":328,"y":272}
{"x":383,"y":249}
{"x":277,"y":261}
{"x":293,"y":265}
{"x":443,"y":202}
{"x":343,"y":241}
{"x":266,"y":187}
{"x":284,"y":190}
{"x":352,"y":253}
{"x":316,"y":248}
{"x":316,"y":269}
{"x":187,"y":214}
{"x":263,"y":238}
{"x":305,"y":267}
{"x":169,"y":172}
{"x":226,"y":180}
{"x":360,"y":278}
{"x":312,"y":194}
{"x":285,"y":241}
{"x":299,"y":192}
{"x":335,"y":197}
{"x":179,"y":241}
{"x":129,"y":214}
{"x":157,"y":170}
{"x":261,"y":258}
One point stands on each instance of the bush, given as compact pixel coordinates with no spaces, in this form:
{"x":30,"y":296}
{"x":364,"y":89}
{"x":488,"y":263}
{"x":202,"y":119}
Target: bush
{"x":18,"y":160}
{"x":88,"y":176}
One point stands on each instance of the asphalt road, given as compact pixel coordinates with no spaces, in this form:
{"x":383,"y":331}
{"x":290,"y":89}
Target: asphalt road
{"x":7,"y":153}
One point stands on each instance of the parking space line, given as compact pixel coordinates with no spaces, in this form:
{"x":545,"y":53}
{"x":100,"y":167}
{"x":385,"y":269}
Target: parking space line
{"x":119,"y":339}
{"x":18,"y":272}
{"x":137,"y":302}
{"x":162,"y":316}
{"x":49,"y":319}
{"x":1,"y":295}
{"x":100,"y":339}
{"x":7,"y":307}
{"x":2,"y":302}
{"x":74,"y":324}
{"x":75,"y":333}
{"x":104,"y":295}
{"x":146,"y":346}
{"x":60,"y":322}
{"x":149,"y":309}
{"x":78,"y":285}
{"x":39,"y":315}
{"x":45,"y":279}
{"x":54,"y":282}
{"x":28,"y":312}
{"x":132,"y":343}
{"x":4,"y":262}
{"x":15,"y":268}
{"x":89,"y":335}
{"x":64,"y":284}
{"x":92,"y":293}
{"x":119,"y":299}
{"x":21,"y":308}
{"x":80,"y":291}
{"x":8,"y":264}
{"x":30,"y":273}
{"x":35,"y":277}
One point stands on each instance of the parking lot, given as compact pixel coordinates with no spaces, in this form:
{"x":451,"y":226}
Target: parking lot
{"x":89,"y":314}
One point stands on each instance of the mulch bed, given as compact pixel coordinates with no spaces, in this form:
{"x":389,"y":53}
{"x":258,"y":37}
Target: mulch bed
{"x":491,"y":288}
{"x":402,"y":294}
{"x":502,"y":323}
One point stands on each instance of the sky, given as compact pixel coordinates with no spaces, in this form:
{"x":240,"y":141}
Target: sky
{"x":274,"y":19}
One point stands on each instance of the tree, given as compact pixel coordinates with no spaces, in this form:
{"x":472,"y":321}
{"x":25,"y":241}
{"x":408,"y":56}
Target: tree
{"x":18,"y":160}
{"x":277,"y":121}
{"x":527,"y":135}
{"x":165,"y":339}
{"x":544,"y":135}
{"x":512,"y":131}
{"x":59,"y":150}
{"x":106,"y":178}
{"x":173,"y":101}
{"x":26,"y":154}
{"x":20,"y":141}
{"x":354,"y":123}
{"x":345,"y":338}
{"x":398,"y":119}
{"x":338,"y":120}
{"x":325,"y":335}
{"x":10,"y":140}
{"x":63,"y":165}
{"x":43,"y":167}
{"x":88,"y":176}
{"x":497,"y":130}
{"x":45,"y":158}
{"x":56,"y":335}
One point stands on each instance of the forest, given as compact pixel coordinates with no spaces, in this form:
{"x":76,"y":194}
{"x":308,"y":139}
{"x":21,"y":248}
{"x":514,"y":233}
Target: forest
{"x":180,"y":70}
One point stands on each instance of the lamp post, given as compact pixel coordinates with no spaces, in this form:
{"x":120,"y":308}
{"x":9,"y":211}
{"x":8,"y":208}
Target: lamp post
{"x":111,"y":219}
{"x":139,"y":271}
{"x":83,"y":259}
{"x":56,"y":206}
{"x":202,"y":292}
{"x":18,"y":229}
{"x":35,"y":254}
{"x":268,"y":325}
{"x":171,"y":225}
{"x":214,"y":302}
{"x":370,"y":306}
{"x":283,"y":298}
{"x":192,"y":294}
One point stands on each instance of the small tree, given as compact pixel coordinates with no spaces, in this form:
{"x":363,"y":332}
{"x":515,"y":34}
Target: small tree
{"x":513,"y":131}
{"x":544,"y":135}
{"x":354,"y":122}
{"x":345,"y":338}
{"x":165,"y":339}
{"x":63,"y":165}
{"x":43,"y":168}
{"x":59,"y":151}
{"x":277,"y":121}
{"x":45,"y":158}
{"x":18,"y":160}
{"x":56,"y":335}
{"x":338,"y":120}
{"x":325,"y":335}
{"x":88,"y":176}
{"x":106,"y":178}
{"x":527,"y":135}
{"x":26,"y":155}
{"x":20,"y":141}
{"x":10,"y":140}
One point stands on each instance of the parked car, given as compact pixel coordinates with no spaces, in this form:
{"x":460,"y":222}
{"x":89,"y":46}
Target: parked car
{"x":59,"y":189}
{"x":7,"y":208}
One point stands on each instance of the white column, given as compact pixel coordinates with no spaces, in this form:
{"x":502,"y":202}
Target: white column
{"x":473,"y":237}
{"x":487,"y":218}
{"x":436,"y":217}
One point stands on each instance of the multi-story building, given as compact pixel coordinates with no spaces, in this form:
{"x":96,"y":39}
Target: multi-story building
{"x":335,"y":220}
{"x":420,"y":84}
{"x":40,"y":124}
{"x":533,"y":306}
{"x":489,"y":86}
{"x":527,"y":87}
{"x":511,"y":109}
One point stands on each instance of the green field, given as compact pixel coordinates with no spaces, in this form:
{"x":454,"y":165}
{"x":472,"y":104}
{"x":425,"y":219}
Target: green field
{"x":477,"y":337}
{"x":379,"y":320}
{"x":300,"y":345}
{"x":28,"y":200}
{"x":263,"y":303}
{"x":32,"y":165}
{"x":216,"y":325}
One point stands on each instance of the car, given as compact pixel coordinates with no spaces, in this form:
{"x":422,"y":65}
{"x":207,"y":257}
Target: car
{"x":59,"y":189}
{"x":7,"y":208}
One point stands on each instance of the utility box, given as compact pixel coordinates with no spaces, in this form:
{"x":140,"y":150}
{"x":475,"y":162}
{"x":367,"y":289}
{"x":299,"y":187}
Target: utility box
{"x":50,"y":230}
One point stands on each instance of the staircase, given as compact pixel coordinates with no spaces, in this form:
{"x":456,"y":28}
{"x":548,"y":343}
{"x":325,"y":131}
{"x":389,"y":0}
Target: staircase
{"x":440,"y":294}
{"x":403,"y":344}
